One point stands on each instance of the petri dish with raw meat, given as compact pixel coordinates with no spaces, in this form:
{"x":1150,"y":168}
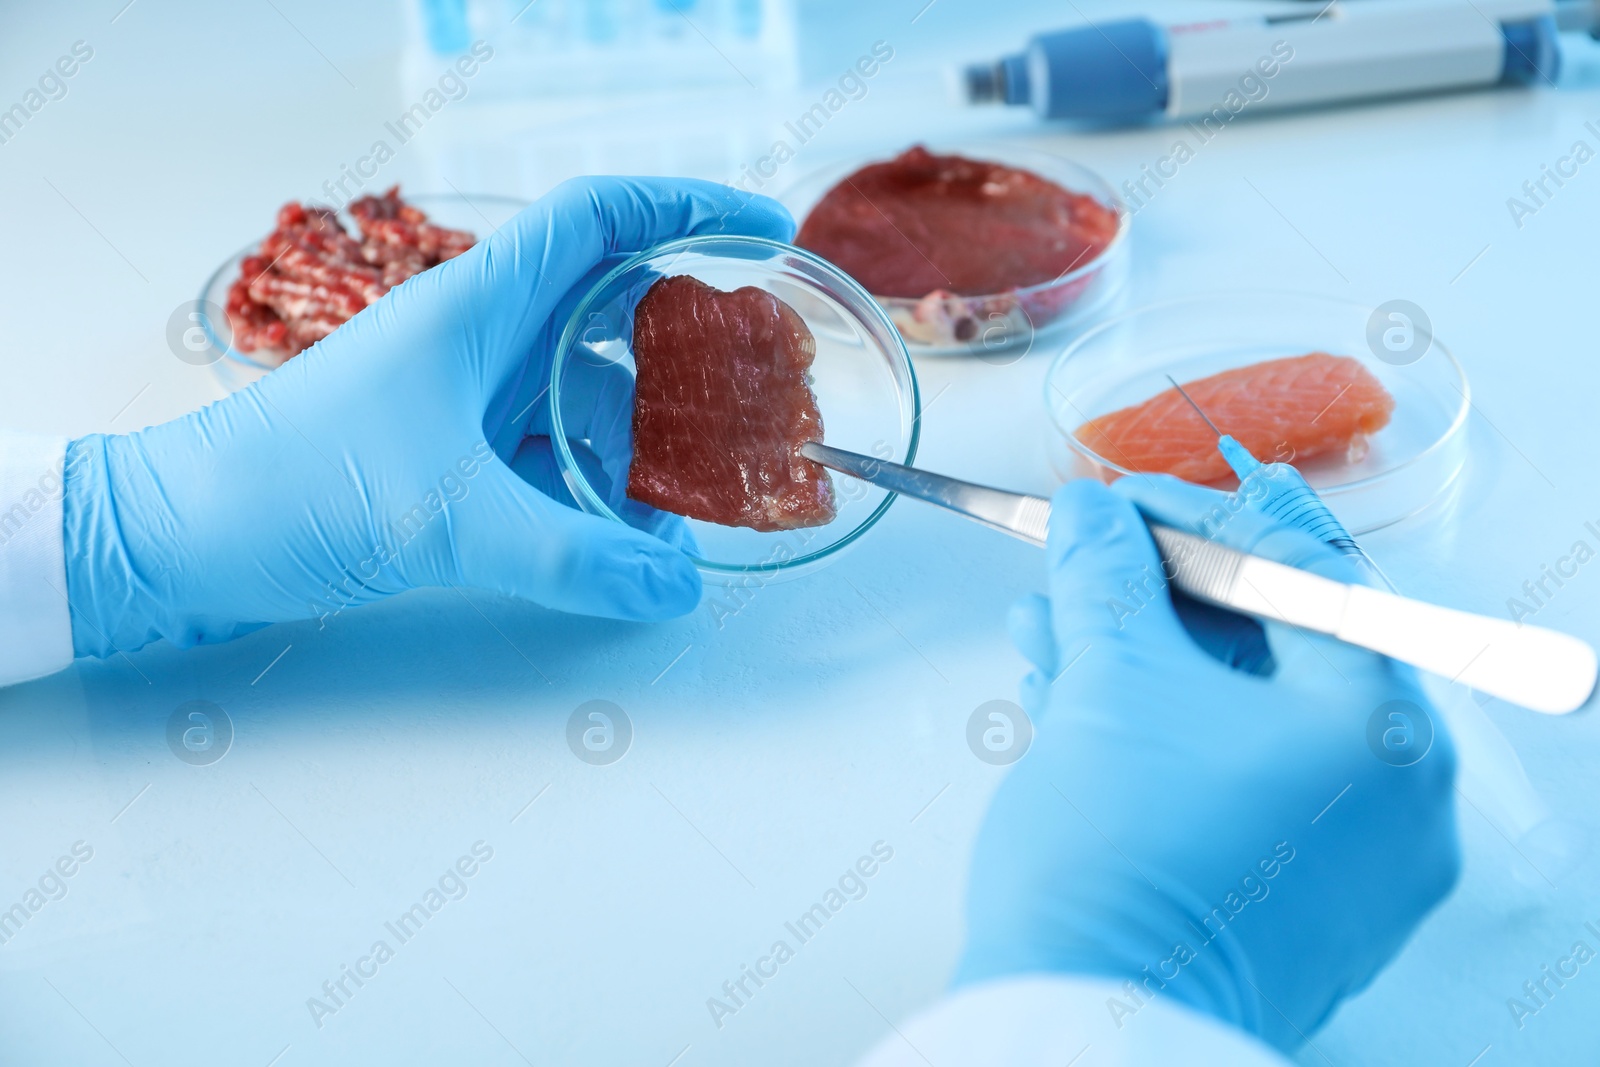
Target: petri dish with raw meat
{"x":969,"y":250}
{"x":731,"y":352}
{"x":1294,"y":377}
{"x":319,"y":266}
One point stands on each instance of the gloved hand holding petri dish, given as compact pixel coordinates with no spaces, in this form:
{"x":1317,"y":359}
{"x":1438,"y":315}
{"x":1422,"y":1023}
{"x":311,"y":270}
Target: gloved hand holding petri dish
{"x":409,"y":448}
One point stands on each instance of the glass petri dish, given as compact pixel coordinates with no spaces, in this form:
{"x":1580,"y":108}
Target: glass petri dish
{"x":865,"y":386}
{"x":1409,"y":464}
{"x":997,"y":322}
{"x":235,"y":369}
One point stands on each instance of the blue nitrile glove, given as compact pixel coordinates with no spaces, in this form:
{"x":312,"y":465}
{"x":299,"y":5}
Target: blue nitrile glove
{"x":1229,"y":840}
{"x":387,"y":457}
{"x":1237,"y":640}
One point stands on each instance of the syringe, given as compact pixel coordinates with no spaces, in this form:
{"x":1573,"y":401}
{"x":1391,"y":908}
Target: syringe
{"x":1210,"y":71}
{"x":1286,"y":495}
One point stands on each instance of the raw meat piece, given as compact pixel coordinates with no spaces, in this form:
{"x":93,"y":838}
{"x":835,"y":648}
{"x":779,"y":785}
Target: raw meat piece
{"x":921,"y":223}
{"x":254,"y":325}
{"x":309,"y":276}
{"x":1282,"y":409}
{"x":722,"y":406}
{"x":389,"y":220}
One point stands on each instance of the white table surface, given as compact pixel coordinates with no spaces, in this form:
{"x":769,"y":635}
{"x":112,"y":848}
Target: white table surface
{"x":771,"y":752}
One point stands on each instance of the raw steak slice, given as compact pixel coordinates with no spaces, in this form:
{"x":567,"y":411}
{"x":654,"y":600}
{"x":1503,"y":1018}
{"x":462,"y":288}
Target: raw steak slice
{"x":1305,"y":406}
{"x":722,"y":406}
{"x":921,"y":223}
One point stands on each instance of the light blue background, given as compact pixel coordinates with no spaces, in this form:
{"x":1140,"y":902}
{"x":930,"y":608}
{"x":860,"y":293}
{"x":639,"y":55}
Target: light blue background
{"x":771,"y":752}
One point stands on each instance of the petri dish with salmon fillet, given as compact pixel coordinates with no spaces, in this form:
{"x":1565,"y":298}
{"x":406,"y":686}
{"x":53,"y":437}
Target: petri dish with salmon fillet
{"x":1294,"y":377}
{"x":716,"y":357}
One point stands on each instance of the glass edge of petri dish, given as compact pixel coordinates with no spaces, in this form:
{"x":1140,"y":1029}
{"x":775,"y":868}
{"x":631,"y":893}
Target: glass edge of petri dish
{"x":232,"y":263}
{"x":1458,"y":418}
{"x":1104,"y":192}
{"x":591,"y":502}
{"x":229,"y":266}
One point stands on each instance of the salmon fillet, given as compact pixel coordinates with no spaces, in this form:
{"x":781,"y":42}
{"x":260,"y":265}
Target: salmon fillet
{"x":722,"y":406}
{"x":1282,"y":410}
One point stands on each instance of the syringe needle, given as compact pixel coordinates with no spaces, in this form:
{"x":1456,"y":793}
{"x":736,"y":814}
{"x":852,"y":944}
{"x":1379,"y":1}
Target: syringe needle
{"x":1237,"y":456}
{"x":1192,"y":404}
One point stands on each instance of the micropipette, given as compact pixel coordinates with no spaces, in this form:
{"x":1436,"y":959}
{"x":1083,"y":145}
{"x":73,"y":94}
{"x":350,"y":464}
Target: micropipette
{"x":1211,"y":70}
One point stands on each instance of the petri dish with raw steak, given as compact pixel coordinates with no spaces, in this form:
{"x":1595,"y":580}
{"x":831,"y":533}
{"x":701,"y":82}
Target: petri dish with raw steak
{"x":722,"y":404}
{"x":686,"y":381}
{"x":969,"y":251}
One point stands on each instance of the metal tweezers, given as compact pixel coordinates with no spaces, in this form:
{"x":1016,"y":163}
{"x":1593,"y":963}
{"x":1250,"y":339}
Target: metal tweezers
{"x":1537,"y":668}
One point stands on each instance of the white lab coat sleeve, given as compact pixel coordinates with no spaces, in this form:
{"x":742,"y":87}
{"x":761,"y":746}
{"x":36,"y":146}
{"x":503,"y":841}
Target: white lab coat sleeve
{"x":1085,"y":1022}
{"x":35,"y":623}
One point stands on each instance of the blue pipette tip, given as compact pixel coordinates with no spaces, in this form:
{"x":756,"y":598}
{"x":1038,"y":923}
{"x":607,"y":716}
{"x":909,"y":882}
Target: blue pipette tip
{"x":1238,"y":457}
{"x":1293,"y":501}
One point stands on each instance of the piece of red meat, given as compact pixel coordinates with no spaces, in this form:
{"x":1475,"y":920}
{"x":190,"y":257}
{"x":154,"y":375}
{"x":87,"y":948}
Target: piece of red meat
{"x":387,"y":219}
{"x":721,"y":407}
{"x":922,"y":222}
{"x":254,"y":326}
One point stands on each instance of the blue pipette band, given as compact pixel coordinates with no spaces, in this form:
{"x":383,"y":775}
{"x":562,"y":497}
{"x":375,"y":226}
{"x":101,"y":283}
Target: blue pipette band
{"x":1112,"y":70}
{"x":1238,"y":456}
{"x":1533,"y":52}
